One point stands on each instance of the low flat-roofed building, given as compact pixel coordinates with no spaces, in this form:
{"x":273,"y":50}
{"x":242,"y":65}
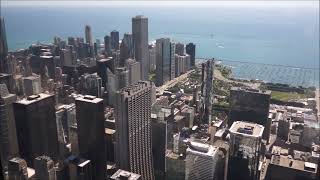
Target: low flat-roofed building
{"x":125,"y":175}
{"x":284,"y":167}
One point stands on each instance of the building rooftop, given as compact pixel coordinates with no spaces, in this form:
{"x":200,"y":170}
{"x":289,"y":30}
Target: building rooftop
{"x":221,"y":144}
{"x":217,"y":123}
{"x":125,"y":175}
{"x":188,"y":109}
{"x":287,"y":161}
{"x":105,"y":59}
{"x":277,"y":150}
{"x":89,"y":98}
{"x":109,"y":131}
{"x":31,"y":172}
{"x":77,"y":161}
{"x":247,"y":128}
{"x":34,"y":98}
{"x":46,"y":57}
{"x":139,"y":17}
{"x":84,"y":163}
{"x":178,"y":118}
{"x":201,"y":149}
{"x":174,"y":156}
{"x":134,"y":88}
{"x":33,"y":77}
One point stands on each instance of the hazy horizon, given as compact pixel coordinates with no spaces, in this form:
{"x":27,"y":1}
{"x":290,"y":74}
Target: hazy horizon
{"x":165,"y":3}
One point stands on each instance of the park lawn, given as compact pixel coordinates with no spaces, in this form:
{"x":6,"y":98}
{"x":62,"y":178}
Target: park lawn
{"x":287,"y":96}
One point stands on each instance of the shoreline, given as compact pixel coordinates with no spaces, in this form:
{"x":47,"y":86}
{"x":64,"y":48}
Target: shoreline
{"x":270,"y":73}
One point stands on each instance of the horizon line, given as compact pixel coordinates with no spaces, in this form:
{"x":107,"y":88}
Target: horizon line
{"x":164,"y":3}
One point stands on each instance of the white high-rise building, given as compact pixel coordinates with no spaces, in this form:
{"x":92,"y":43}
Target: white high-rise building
{"x":88,"y":35}
{"x":133,"y":124}
{"x":245,"y":150}
{"x":201,"y":161}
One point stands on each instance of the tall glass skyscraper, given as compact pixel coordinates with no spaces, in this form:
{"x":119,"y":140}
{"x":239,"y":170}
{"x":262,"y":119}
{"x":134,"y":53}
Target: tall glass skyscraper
{"x":114,"y":35}
{"x":126,"y":48}
{"x":88,"y":35}
{"x":140,"y":43}
{"x":191,"y":50}
{"x":207,"y":91}
{"x":3,"y":43}
{"x":165,"y":63}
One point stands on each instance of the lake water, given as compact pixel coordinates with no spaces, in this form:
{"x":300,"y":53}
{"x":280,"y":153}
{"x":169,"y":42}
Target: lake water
{"x":280,"y":36}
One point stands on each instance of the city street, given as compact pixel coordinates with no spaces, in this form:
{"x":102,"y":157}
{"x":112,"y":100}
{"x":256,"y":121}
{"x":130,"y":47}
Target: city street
{"x":174,"y":81}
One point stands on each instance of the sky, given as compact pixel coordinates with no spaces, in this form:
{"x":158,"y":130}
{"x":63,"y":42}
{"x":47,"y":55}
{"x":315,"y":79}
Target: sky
{"x":238,"y":3}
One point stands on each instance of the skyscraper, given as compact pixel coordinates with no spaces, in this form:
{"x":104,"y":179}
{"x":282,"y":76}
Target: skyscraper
{"x":245,"y":150}
{"x":126,"y":48}
{"x":182,"y":64}
{"x":250,"y":105}
{"x":207,"y":91}
{"x":1,"y":170}
{"x":91,"y":84}
{"x":98,"y":46}
{"x":140,"y":43}
{"x":161,"y":113}
{"x":44,"y":168}
{"x":36,"y":127}
{"x":201,"y":161}
{"x":191,"y":50}
{"x":89,"y":41}
{"x":114,"y":37}
{"x":90,"y":126}
{"x":122,"y":77}
{"x":88,"y":35}
{"x":107,"y":45}
{"x":8,"y":135}
{"x":133,"y":124}
{"x":3,"y":43}
{"x":179,"y":49}
{"x":134,"y":70}
{"x":165,"y":61}
{"x":152,"y":58}
{"x":102,"y":66}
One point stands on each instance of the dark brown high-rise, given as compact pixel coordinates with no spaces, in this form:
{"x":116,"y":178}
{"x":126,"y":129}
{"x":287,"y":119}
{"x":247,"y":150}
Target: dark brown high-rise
{"x":36,"y":127}
{"x":91,"y":133}
{"x":191,"y":50}
{"x":140,"y":43}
